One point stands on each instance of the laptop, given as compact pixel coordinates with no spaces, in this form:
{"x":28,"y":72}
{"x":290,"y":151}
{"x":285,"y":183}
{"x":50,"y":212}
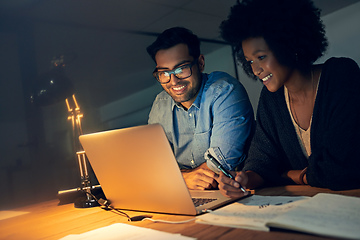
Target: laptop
{"x":137,"y":170}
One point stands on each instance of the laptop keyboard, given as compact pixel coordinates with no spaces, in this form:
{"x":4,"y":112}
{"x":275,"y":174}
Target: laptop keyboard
{"x":201,"y":201}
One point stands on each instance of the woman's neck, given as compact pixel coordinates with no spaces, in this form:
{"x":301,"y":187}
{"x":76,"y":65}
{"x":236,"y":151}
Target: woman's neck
{"x":302,"y":86}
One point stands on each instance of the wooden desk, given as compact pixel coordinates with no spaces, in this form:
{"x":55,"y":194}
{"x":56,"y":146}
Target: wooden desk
{"x":47,"y":220}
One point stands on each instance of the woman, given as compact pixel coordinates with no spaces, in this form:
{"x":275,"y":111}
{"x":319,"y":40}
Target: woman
{"x":308,"y":118}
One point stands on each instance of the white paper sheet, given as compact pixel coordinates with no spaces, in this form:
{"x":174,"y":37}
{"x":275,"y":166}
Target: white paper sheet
{"x":251,"y":213}
{"x":324,"y":214}
{"x":125,"y":231}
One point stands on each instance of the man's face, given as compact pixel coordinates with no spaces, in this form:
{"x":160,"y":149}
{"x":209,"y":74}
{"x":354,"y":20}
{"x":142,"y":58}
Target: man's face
{"x":183,"y":91}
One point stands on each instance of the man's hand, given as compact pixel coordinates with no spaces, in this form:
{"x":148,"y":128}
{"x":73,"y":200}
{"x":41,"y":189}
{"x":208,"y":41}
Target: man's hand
{"x":200,"y":178}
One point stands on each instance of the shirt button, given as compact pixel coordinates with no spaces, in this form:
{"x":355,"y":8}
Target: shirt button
{"x":190,"y":114}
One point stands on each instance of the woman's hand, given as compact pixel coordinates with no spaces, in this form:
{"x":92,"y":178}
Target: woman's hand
{"x":231,"y":187}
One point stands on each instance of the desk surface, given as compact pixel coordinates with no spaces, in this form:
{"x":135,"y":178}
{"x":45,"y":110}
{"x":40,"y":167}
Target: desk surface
{"x":47,"y":220}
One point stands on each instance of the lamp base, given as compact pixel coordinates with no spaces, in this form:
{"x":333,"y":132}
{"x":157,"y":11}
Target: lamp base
{"x":84,"y":202}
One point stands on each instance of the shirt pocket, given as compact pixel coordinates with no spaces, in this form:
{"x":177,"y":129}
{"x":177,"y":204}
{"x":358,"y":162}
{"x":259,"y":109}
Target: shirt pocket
{"x":201,"y":144}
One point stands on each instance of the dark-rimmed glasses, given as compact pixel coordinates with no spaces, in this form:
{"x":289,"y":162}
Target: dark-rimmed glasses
{"x":181,"y":72}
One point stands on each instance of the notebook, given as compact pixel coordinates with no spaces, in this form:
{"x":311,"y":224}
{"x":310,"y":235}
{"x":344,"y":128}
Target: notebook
{"x":137,"y":170}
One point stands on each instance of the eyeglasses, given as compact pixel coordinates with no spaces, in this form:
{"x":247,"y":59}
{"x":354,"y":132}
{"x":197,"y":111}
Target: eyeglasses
{"x":181,"y":72}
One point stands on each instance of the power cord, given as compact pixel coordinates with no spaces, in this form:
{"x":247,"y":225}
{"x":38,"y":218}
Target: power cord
{"x":165,"y":221}
{"x":106,"y":204}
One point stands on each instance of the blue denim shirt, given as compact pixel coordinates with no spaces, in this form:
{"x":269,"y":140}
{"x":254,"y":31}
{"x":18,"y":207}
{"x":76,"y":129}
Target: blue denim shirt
{"x":221,"y":118}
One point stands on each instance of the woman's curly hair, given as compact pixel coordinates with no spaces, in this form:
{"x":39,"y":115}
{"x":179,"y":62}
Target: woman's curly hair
{"x":292,"y":29}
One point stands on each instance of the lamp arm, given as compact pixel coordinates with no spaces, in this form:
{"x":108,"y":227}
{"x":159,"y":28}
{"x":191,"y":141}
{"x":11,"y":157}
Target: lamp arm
{"x":75,"y":116}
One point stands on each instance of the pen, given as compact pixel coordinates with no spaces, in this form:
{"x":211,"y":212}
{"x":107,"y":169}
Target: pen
{"x":226,"y":172}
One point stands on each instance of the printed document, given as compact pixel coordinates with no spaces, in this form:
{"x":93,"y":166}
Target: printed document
{"x":324,"y":214}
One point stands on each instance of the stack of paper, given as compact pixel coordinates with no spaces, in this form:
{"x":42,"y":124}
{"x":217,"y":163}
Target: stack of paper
{"x":324,"y":214}
{"x":250,"y":213}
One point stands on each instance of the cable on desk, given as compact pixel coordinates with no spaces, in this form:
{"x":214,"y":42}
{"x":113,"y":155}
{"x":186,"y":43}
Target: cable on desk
{"x":166,"y":221}
{"x":106,"y":205}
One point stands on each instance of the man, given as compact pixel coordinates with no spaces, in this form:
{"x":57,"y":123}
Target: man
{"x":200,"y":113}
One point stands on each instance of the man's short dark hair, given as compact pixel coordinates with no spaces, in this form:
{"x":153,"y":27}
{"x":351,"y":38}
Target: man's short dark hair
{"x":173,"y":36}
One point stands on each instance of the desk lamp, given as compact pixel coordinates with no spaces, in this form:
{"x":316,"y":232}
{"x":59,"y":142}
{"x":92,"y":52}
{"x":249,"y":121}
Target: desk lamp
{"x":53,"y":87}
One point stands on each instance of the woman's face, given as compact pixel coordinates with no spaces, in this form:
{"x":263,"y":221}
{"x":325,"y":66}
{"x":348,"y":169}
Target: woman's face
{"x":264,"y":63}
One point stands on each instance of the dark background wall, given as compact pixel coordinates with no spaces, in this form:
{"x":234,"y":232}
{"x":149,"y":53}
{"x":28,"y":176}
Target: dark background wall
{"x":103,"y":43}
